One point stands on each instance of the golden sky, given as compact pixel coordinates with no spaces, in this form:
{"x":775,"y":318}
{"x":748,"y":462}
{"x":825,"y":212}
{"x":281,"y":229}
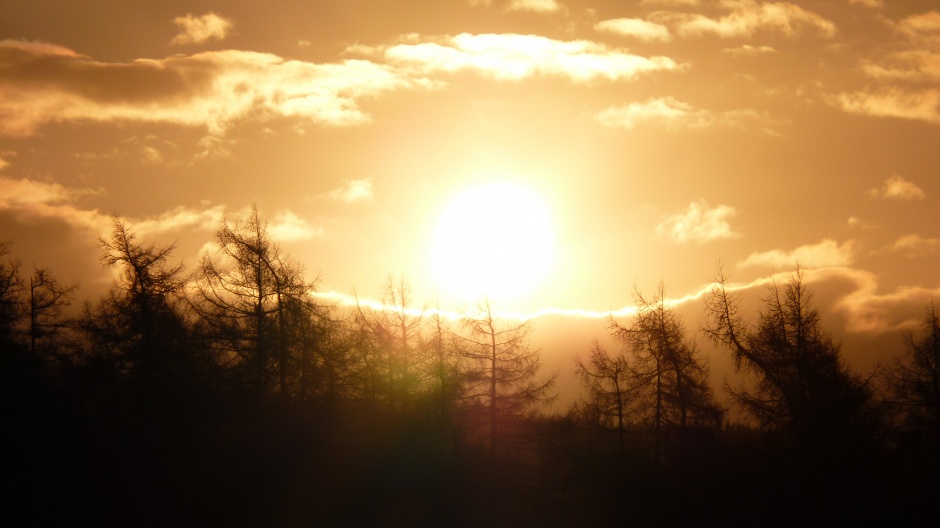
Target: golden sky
{"x":652,"y":138}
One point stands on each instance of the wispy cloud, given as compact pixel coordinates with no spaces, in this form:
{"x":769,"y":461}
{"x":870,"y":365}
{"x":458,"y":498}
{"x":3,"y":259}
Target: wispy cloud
{"x":44,"y":83}
{"x":352,"y":191}
{"x":515,"y":57}
{"x":869,"y":3}
{"x":748,"y":17}
{"x":195,"y":30}
{"x":180,"y":217}
{"x":747,"y":49}
{"x":919,"y":105}
{"x":31,"y":200}
{"x":672,"y":3}
{"x":669,"y":112}
{"x":699,"y":223}
{"x":535,"y":6}
{"x":635,"y":27}
{"x":663,"y":111}
{"x":909,"y":65}
{"x":287,"y":226}
{"x":898,"y":188}
{"x":825,"y":254}
{"x":868,"y":310}
{"x":914,"y":246}
{"x":922,"y":24}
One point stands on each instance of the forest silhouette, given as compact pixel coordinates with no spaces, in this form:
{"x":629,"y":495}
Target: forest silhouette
{"x":227,"y":395}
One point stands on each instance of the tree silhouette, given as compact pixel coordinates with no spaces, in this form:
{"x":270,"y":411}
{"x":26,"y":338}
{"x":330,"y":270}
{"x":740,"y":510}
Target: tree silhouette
{"x":243,"y":297}
{"x":502,"y":368}
{"x":609,"y":384}
{"x":138,"y":329}
{"x":47,"y":298}
{"x":11,"y":289}
{"x":915,"y":384}
{"x":395,"y":333}
{"x":803,"y":388}
{"x":666,"y":371}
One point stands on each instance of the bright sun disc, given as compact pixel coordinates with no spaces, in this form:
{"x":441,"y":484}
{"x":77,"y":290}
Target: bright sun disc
{"x":494,"y":240}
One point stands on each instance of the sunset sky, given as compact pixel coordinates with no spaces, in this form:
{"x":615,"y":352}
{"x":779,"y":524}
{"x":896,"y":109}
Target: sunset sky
{"x":648,"y":139}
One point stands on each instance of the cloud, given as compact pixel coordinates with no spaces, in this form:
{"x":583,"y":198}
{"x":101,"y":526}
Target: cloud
{"x":869,"y":3}
{"x":671,"y":113}
{"x":536,"y":6}
{"x":634,"y":27}
{"x":688,"y":3}
{"x":663,"y":111}
{"x":515,"y":57}
{"x":855,"y":222}
{"x":699,"y":223}
{"x":918,"y":105}
{"x":352,"y":191}
{"x":914,"y":246}
{"x":898,"y":188}
{"x":825,"y":254}
{"x":910,"y":65}
{"x":746,"y":18}
{"x":287,"y":226}
{"x":177,"y":218}
{"x":45,"y":83}
{"x":29,"y":200}
{"x":867,"y":310}
{"x":922,"y":24}
{"x":747,"y":49}
{"x":195,"y":30}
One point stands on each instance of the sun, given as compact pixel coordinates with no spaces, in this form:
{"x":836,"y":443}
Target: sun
{"x":495,"y":241}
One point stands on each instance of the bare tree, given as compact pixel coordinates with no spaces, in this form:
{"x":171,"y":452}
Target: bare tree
{"x":138,"y":328}
{"x":242,"y":297}
{"x":803,"y":389}
{"x":47,"y":299}
{"x":394,"y":329}
{"x":914,"y":381}
{"x":608,"y":380}
{"x":502,"y":368}
{"x":11,"y":290}
{"x":666,"y":370}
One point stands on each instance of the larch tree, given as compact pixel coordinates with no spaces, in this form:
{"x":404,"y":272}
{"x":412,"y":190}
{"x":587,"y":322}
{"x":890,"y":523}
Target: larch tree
{"x":502,"y":368}
{"x":243,"y":296}
{"x":666,"y":370}
{"x":138,"y":328}
{"x":802,"y":387}
{"x":48,"y":297}
{"x":609,"y":383}
{"x":394,"y":329}
{"x":914,"y":381}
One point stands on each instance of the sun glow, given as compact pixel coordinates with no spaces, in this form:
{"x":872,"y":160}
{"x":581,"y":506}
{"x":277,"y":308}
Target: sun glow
{"x":494,"y":240}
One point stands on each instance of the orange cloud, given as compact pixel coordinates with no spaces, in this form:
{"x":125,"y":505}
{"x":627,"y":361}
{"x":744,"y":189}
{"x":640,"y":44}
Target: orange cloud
{"x":898,"y":188}
{"x":287,"y":226}
{"x":634,"y":27}
{"x":515,"y":57}
{"x":212,"y":89}
{"x":194,"y":30}
{"x":914,"y":246}
{"x":352,"y":191}
{"x":671,"y":113}
{"x":748,"y":17}
{"x":922,"y":24}
{"x":919,"y":105}
{"x":825,"y":254}
{"x":699,"y":223}
{"x":536,"y":6}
